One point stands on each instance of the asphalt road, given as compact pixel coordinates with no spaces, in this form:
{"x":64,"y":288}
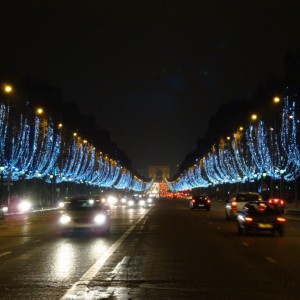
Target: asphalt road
{"x":166,"y":252}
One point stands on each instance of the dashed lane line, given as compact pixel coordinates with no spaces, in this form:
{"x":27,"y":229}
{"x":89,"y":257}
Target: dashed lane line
{"x":4,"y":253}
{"x":79,"y":289}
{"x":271,"y":260}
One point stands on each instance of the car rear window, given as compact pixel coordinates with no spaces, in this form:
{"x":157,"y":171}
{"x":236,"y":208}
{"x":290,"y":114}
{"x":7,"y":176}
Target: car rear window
{"x":247,"y":198}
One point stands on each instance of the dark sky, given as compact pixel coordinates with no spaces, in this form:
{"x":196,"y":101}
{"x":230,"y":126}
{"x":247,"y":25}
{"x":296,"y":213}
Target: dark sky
{"x":151,"y":72}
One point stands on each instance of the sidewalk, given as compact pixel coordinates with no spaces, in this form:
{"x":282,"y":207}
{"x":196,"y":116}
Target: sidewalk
{"x":293,"y":208}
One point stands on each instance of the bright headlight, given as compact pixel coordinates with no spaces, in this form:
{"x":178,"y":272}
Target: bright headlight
{"x":24,"y":206}
{"x":149,"y":200}
{"x":61,"y":204}
{"x":5,"y":209}
{"x":100,"y":219}
{"x":112,"y":200}
{"x":130,"y":202}
{"x":123,"y":200}
{"x":64,"y":219}
{"x":142,"y":202}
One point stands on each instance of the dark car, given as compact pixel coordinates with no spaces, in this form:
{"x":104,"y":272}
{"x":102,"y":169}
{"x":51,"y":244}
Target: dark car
{"x":278,"y":203}
{"x":260,"y":217}
{"x":84,"y":213}
{"x":200,"y":202}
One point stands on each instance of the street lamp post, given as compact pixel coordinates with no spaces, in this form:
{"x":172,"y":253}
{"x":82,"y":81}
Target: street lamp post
{"x":281,"y":184}
{"x":1,"y":181}
{"x":263,"y":185}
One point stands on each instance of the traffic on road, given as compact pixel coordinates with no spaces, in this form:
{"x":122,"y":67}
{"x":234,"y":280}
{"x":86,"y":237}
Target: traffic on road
{"x":165,"y":251}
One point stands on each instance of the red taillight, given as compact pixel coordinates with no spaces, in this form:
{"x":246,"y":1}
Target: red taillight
{"x":248,"y":219}
{"x":276,"y":201}
{"x":208,"y":201}
{"x":281,"y":220}
{"x":262,"y":207}
{"x":233,"y":205}
{"x":193,"y":201}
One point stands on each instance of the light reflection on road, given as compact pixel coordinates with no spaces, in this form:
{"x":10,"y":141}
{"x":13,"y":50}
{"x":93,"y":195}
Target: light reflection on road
{"x":64,"y":260}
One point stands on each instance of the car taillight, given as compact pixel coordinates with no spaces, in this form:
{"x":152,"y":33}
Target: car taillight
{"x":280,"y":219}
{"x":208,"y":201}
{"x":193,"y":201}
{"x":248,"y":219}
{"x":276,"y":201}
{"x":233,"y":205}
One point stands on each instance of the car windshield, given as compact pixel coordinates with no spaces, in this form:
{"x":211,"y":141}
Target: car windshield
{"x":82,"y":204}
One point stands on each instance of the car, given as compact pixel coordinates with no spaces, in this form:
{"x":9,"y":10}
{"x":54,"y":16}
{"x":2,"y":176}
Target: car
{"x":258,"y":216}
{"x":3,"y":211}
{"x":20,"y":205}
{"x":84,"y":213}
{"x":200,"y":202}
{"x":235,"y":204}
{"x":279,"y":203}
{"x":136,"y":201}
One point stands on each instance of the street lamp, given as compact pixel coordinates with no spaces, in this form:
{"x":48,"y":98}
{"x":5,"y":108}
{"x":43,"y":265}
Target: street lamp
{"x":39,"y":111}
{"x":276,"y":100}
{"x":7,"y":88}
{"x":254,"y":117}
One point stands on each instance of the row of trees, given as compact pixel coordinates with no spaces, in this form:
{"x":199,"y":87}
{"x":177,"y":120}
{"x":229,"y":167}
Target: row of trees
{"x":263,"y":149}
{"x":33,"y":147}
{"x":236,"y":112}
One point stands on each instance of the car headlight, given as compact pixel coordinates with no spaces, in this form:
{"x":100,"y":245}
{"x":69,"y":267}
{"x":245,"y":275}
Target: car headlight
{"x":123,"y":200}
{"x":24,"y":206}
{"x":112,"y":200}
{"x":64,"y":219}
{"x":130,"y":202}
{"x":149,"y":200}
{"x":100,"y":219}
{"x":142,"y":202}
{"x":61,"y":204}
{"x":5,"y":209}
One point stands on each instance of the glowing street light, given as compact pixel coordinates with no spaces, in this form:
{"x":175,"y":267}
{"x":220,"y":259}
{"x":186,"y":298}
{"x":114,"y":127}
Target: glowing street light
{"x":276,"y":99}
{"x":254,"y":117}
{"x":8,"y":88}
{"x":39,"y":111}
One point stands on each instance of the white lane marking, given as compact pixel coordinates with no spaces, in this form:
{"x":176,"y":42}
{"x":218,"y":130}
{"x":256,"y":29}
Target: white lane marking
{"x":79,"y":288}
{"x":5,"y":253}
{"x":270,"y":259}
{"x":246,"y":245}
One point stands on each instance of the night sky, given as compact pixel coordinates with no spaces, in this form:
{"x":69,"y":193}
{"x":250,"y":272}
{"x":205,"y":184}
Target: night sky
{"x":151,"y":72}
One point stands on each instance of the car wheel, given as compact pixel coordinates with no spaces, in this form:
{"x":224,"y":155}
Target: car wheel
{"x":64,"y":232}
{"x":279,"y":232}
{"x":105,"y":231}
{"x":240,"y":230}
{"x":227,"y":217}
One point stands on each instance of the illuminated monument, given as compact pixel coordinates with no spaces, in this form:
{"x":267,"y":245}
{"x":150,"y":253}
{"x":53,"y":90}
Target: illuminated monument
{"x":159,"y":172}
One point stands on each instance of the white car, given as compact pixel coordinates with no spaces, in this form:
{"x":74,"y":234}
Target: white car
{"x":237,"y":202}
